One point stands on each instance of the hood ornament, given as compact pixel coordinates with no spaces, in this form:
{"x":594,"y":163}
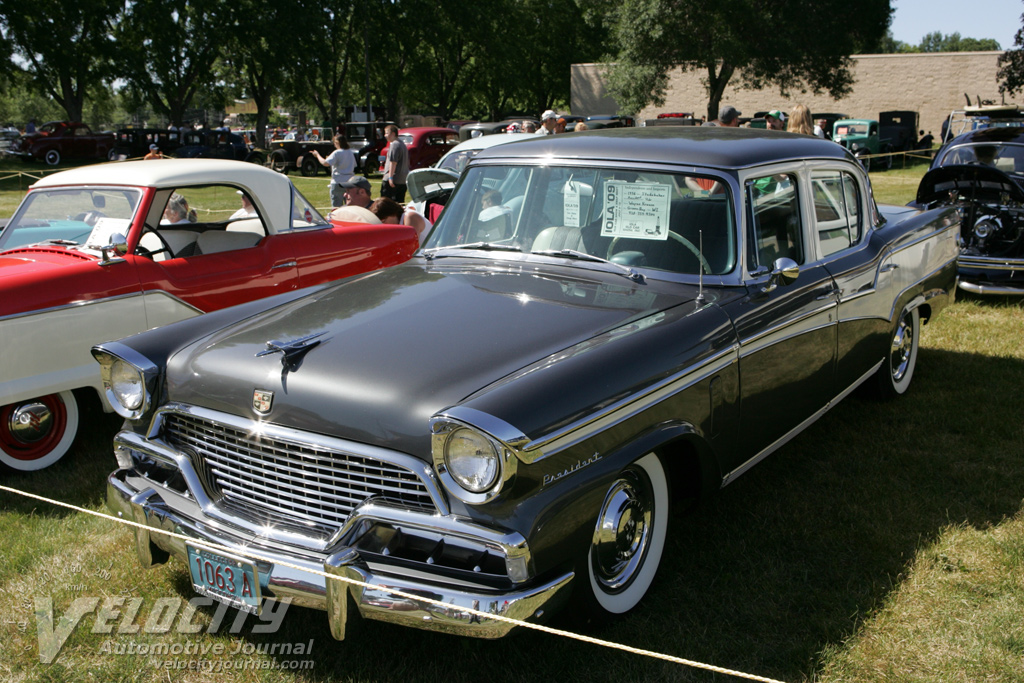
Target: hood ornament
{"x":293,"y":350}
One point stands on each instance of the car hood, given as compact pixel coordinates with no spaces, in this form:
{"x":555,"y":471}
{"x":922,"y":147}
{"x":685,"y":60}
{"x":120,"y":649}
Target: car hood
{"x":23,"y":261}
{"x":973,"y":180}
{"x":397,"y":346}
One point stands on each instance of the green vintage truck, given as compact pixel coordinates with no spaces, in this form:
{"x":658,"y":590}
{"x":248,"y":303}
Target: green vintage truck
{"x":861,"y":136}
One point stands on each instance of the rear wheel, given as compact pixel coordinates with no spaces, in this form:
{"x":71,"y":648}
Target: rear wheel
{"x":52,"y":157}
{"x":895,"y":374}
{"x":38,"y":432}
{"x":309,"y":166}
{"x":628,"y":540}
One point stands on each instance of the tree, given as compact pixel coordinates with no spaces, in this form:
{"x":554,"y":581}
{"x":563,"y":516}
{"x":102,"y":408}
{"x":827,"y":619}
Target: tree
{"x":168,"y":50}
{"x":792,"y":46}
{"x":63,"y":46}
{"x":936,"y":42}
{"x":256,"y":51}
{"x":1011,"y":66}
{"x":321,"y":66}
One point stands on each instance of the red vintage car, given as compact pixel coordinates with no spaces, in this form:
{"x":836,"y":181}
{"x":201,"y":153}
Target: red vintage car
{"x":102,"y":252}
{"x":62,"y":140}
{"x":426,"y":145}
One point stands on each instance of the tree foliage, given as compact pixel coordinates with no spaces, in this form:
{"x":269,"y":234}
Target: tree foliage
{"x":791,"y":46}
{"x":1011,"y":65}
{"x":168,"y":49}
{"x":163,"y":59}
{"x":63,"y":46}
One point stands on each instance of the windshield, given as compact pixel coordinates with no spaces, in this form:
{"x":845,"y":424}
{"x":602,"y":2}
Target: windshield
{"x":851,"y":129}
{"x":661,"y":221}
{"x":1005,"y":157}
{"x":71,"y":216}
{"x":457,"y":161}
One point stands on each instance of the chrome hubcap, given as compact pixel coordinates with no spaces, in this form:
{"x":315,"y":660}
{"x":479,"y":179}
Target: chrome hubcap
{"x":623,"y":532}
{"x":902,"y":344}
{"x":30,"y":423}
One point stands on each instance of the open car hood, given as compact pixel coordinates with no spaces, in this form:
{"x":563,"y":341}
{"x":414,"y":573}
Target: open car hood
{"x":427,"y":183}
{"x":971,"y":180}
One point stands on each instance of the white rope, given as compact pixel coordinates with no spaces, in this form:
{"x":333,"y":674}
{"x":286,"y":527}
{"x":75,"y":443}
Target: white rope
{"x":485,"y":615}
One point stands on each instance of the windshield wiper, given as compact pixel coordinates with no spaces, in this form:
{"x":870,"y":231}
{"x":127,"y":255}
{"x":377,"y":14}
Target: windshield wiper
{"x":62,"y":242}
{"x":482,"y":246}
{"x":633,"y":275}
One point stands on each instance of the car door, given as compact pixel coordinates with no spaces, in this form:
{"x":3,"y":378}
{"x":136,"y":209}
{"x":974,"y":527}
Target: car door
{"x":210,"y":262}
{"x":787,"y":334}
{"x":862,"y":269}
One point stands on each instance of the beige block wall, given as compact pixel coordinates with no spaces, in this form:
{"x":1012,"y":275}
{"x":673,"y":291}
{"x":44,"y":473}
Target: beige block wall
{"x":932,"y":84}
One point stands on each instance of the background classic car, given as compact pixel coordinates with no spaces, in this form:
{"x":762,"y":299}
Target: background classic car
{"x":508,"y":417}
{"x":981,"y":173}
{"x":59,"y":293}
{"x":58,"y":140}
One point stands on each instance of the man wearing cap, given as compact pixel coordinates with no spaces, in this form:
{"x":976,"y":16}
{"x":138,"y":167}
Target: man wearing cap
{"x":154,"y":153}
{"x":729,"y":117}
{"x":548,"y":121}
{"x":775,"y":119}
{"x":357,"y":191}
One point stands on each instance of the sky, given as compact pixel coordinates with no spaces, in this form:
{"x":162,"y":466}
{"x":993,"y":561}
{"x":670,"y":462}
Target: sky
{"x":999,"y":19}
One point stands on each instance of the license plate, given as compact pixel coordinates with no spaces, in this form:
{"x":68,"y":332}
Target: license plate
{"x":231,"y":580}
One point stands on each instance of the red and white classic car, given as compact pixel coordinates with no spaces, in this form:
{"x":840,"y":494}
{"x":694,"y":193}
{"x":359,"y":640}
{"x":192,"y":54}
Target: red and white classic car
{"x":102,"y":252}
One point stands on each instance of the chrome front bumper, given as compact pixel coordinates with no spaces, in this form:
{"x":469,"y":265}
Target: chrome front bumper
{"x":132,"y":497}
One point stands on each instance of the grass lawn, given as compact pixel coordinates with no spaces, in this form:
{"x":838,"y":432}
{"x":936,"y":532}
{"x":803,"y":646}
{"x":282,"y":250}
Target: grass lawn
{"x":886,"y":543}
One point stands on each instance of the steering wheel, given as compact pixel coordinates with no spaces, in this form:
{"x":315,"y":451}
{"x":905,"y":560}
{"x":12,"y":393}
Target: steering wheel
{"x":678,"y":238}
{"x":164,"y":246}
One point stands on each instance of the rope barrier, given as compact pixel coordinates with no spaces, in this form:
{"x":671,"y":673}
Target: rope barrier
{"x":393,"y":591}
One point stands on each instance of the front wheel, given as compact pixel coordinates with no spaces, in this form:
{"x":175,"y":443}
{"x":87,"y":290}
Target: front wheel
{"x":628,"y":540}
{"x":38,"y":432}
{"x":52,"y":157}
{"x":864,"y":158}
{"x":895,"y":374}
{"x":279,"y":163}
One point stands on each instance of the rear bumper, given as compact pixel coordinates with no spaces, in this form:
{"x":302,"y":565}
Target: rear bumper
{"x":132,"y":497}
{"x":992,"y":275}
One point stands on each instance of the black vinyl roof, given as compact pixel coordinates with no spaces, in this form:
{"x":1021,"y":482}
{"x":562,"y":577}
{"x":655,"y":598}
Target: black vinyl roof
{"x":714,"y":146}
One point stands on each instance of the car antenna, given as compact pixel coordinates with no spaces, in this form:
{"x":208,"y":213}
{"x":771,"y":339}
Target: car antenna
{"x":700,"y":266}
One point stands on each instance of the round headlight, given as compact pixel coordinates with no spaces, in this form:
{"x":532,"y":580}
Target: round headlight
{"x":127,"y":385}
{"x":471,"y":460}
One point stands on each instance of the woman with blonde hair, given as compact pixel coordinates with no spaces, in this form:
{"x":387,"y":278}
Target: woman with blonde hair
{"x":800,"y":122}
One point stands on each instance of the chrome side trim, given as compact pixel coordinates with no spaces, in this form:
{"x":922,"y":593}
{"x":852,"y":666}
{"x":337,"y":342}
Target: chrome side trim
{"x":548,"y":444}
{"x":795,"y":321}
{"x":785,"y":438}
{"x":93,"y":302}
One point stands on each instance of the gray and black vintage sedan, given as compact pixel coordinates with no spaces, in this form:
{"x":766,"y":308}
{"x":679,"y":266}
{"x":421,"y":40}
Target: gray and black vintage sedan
{"x":597,"y":326}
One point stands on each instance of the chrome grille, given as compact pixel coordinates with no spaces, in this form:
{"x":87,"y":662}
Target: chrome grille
{"x":291,"y":483}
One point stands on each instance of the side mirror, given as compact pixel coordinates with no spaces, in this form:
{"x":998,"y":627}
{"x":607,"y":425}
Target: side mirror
{"x":785,"y":271}
{"x":118,"y":244}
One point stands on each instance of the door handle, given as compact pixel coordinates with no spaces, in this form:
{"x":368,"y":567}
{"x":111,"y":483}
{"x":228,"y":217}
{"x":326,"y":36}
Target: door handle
{"x":889,"y":267}
{"x":286,"y":264}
